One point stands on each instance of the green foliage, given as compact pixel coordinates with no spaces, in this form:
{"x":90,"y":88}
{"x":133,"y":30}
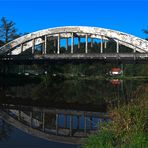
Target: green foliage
{"x":104,"y":138}
{"x":7,"y":30}
{"x":1,"y":43}
{"x":128,"y":127}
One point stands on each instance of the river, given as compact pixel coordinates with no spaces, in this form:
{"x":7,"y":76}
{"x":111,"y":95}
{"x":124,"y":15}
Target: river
{"x":43,"y":111}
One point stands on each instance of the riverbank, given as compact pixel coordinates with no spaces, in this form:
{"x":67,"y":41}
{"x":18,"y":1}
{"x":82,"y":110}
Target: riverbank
{"x":128,"y":126}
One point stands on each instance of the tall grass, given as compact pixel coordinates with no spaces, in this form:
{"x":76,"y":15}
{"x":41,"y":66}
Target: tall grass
{"x":128,"y":127}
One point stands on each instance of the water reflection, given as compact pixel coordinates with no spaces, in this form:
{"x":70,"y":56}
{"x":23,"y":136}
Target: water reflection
{"x":58,"y":109}
{"x":116,"y":81}
{"x":66,"y":126}
{"x":5,"y":130}
{"x":84,"y":94}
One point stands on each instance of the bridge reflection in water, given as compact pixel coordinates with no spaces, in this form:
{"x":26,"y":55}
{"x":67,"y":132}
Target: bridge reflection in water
{"x":59,"y":125}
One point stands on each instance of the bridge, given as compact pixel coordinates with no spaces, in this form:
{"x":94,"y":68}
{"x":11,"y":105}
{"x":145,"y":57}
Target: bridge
{"x":64,"y":126}
{"x":64,"y":43}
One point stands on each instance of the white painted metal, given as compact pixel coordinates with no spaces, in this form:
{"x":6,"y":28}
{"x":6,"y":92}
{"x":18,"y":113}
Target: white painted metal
{"x":128,"y":40}
{"x":86,"y":44}
{"x":45,"y":45}
{"x":72,"y":42}
{"x":79,"y":41}
{"x":117,"y":48}
{"x":101,"y":44}
{"x":66,"y":43}
{"x":58,"y":50}
{"x":91,"y":42}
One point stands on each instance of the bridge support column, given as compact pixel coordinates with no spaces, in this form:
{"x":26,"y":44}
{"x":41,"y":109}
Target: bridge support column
{"x":134,"y":50}
{"x":21,"y":48}
{"x":55,"y":43}
{"x":33,"y":46}
{"x":45,"y":45}
{"x":91,"y":42}
{"x":43,"y":121}
{"x":19,"y":116}
{"x":105,"y":44}
{"x":70,"y":125}
{"x":31,"y":114}
{"x":78,"y":122}
{"x":57,"y":118}
{"x":117,"y":48}
{"x":66,"y":43}
{"x":86,"y":44}
{"x":72,"y":42}
{"x":65,"y":120}
{"x":91,"y":121}
{"x":58,"y":50}
{"x":78,"y":42}
{"x":85,"y":123}
{"x":101,"y":51}
{"x":10,"y":52}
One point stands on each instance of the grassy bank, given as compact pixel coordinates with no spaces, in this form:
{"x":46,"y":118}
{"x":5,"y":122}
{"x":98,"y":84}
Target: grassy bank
{"x":128,"y":126}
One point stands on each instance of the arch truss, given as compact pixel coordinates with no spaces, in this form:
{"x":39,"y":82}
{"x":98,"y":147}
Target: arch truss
{"x":69,"y":34}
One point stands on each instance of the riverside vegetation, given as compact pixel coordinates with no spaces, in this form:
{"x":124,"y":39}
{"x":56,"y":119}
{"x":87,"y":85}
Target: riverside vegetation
{"x":128,"y":126}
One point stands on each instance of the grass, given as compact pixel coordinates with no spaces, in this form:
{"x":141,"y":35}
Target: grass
{"x":128,"y":127}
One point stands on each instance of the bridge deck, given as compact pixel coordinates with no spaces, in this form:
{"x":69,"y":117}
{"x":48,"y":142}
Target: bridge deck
{"x":76,"y":57}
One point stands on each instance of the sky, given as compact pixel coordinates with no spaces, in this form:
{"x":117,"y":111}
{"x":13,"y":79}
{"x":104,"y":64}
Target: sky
{"x":129,"y":16}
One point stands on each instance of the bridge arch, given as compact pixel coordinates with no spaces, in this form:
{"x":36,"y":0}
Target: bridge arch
{"x":25,"y":42}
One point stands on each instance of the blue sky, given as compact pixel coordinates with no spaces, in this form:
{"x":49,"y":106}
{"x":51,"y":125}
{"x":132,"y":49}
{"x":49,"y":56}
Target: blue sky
{"x":128,"y":16}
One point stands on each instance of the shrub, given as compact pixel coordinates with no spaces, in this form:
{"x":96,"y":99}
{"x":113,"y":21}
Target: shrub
{"x":128,"y":126}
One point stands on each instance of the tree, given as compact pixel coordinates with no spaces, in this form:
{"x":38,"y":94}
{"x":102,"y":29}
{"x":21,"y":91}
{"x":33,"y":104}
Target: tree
{"x":8,"y":31}
{"x":146,"y":32}
{"x":1,"y":43}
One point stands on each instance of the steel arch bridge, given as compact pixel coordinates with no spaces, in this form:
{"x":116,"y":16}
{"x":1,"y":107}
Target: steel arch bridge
{"x":15,"y":48}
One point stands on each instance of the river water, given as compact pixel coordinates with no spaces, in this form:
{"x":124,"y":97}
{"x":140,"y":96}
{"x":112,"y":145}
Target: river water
{"x":43,"y":111}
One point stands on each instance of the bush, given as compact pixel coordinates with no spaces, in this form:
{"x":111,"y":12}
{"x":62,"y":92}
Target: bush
{"x":128,"y":126}
{"x":101,"y":139}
